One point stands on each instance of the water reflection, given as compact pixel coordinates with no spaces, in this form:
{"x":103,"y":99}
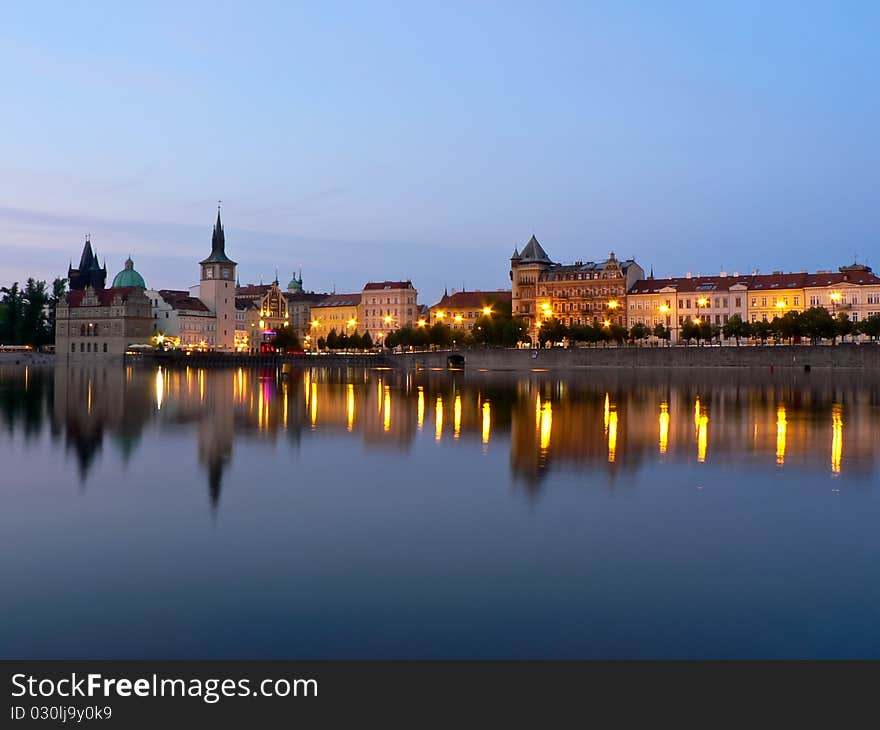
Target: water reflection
{"x":547,"y":422}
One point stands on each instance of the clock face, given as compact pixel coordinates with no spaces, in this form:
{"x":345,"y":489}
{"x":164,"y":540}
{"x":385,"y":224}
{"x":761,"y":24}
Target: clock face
{"x":226,"y":273}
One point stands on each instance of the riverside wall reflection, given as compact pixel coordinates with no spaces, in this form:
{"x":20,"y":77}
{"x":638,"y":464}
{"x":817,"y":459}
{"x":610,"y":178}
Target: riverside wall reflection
{"x":593,"y":422}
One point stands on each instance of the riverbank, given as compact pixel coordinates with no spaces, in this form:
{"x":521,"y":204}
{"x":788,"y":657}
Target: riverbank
{"x":23,"y":359}
{"x":861,"y":357}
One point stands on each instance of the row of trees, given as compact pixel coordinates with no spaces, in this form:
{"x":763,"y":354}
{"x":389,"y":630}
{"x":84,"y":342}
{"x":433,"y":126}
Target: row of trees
{"x":344,"y":341}
{"x":816,"y":324}
{"x":27,"y":315}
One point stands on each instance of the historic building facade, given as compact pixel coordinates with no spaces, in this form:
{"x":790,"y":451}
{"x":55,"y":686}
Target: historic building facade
{"x":387,"y":306}
{"x":183,"y":320}
{"x":576,"y":294}
{"x":340,"y":312}
{"x":96,"y":322}
{"x":853,"y":290}
{"x":462,"y":309}
{"x":711,"y":299}
{"x":217,"y":290}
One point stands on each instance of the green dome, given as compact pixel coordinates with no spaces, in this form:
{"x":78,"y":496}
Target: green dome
{"x":129,"y":277}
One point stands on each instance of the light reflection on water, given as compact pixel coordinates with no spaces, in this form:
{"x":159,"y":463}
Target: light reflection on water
{"x":334,"y":467}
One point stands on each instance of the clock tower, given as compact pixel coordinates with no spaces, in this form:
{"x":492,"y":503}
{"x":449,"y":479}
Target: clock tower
{"x":217,"y":290}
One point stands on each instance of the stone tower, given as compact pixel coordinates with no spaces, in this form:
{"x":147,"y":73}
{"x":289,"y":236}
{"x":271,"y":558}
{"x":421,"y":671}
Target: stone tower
{"x":217,"y":289}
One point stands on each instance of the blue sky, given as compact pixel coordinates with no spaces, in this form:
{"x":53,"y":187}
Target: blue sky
{"x":425,"y":140}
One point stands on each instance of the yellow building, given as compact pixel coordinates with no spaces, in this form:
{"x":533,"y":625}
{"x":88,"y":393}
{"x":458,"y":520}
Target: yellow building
{"x":772,"y":295}
{"x":340,"y":312}
{"x":461,"y":310}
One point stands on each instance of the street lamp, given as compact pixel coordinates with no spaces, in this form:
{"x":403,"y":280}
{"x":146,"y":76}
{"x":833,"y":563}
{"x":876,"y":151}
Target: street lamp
{"x":487,"y":311}
{"x":421,"y":323}
{"x":835,"y":297}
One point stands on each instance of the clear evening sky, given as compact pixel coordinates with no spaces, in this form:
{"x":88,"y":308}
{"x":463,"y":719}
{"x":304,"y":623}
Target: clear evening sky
{"x":426,"y":140}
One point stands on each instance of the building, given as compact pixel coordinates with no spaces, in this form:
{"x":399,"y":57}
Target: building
{"x":89,"y":273}
{"x":853,"y":290}
{"x":183,"y":320}
{"x":388,"y":306}
{"x":217,"y":290}
{"x":714,"y":299}
{"x":772,"y":295}
{"x":263,"y":310}
{"x":340,"y":312}
{"x":576,"y":294}
{"x":96,"y":322}
{"x":460,"y":310}
{"x":299,"y":307}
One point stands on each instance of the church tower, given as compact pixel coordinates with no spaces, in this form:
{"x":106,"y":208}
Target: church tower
{"x":217,"y":289}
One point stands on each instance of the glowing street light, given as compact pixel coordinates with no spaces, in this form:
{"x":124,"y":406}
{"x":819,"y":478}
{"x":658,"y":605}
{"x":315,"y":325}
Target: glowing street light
{"x":613,"y":304}
{"x":421,"y":323}
{"x":440,"y":315}
{"x":388,"y":319}
{"x":664,"y":309}
{"x":352,"y":322}
{"x":458,"y":318}
{"x":702,"y":302}
{"x":606,"y":323}
{"x":315,"y":323}
{"x":487,"y":311}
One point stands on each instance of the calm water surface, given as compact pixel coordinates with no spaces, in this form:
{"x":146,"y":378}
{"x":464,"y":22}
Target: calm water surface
{"x":335,"y":513}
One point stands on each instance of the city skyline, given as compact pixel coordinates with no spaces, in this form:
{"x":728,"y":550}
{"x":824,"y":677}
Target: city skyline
{"x":707,"y":139}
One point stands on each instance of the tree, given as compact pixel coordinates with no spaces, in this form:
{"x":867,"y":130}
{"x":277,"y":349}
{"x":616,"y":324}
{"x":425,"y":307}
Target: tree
{"x":662,"y":332}
{"x":322,"y":343}
{"x":366,"y":341}
{"x":761,"y":330}
{"x":618,"y":333}
{"x":735,"y":328}
{"x":440,"y":335}
{"x":639,"y":332}
{"x":818,"y":324}
{"x":870,"y":326}
{"x":843,"y":326}
{"x":285,"y":339}
{"x":688,"y":330}
{"x":790,"y":326}
{"x":59,"y":291}
{"x":332,"y":340}
{"x":552,"y":331}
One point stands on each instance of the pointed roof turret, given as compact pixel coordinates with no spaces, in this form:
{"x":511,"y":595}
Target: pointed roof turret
{"x":515,"y":253}
{"x":85,"y":261}
{"x":533,"y":252}
{"x":218,"y":245}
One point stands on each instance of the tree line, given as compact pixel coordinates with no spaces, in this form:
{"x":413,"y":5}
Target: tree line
{"x":27,"y":315}
{"x":816,"y":324}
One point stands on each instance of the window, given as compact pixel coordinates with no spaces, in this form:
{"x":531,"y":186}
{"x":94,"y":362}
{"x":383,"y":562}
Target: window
{"x":797,"y":301}
{"x":73,"y":347}
{"x":105,"y":347}
{"x":738,"y":301}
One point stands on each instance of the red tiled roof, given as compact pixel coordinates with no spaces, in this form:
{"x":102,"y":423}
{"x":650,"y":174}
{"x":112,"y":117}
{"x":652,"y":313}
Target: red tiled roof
{"x":683,"y":284}
{"x":105,"y":296}
{"x":850,"y":277}
{"x":182,"y":300}
{"x":371,"y":285}
{"x":473,"y":299}
{"x":340,"y":300}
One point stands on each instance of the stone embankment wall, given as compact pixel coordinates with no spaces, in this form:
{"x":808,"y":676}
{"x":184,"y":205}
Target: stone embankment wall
{"x":864,"y":356}
{"x":26,"y":358}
